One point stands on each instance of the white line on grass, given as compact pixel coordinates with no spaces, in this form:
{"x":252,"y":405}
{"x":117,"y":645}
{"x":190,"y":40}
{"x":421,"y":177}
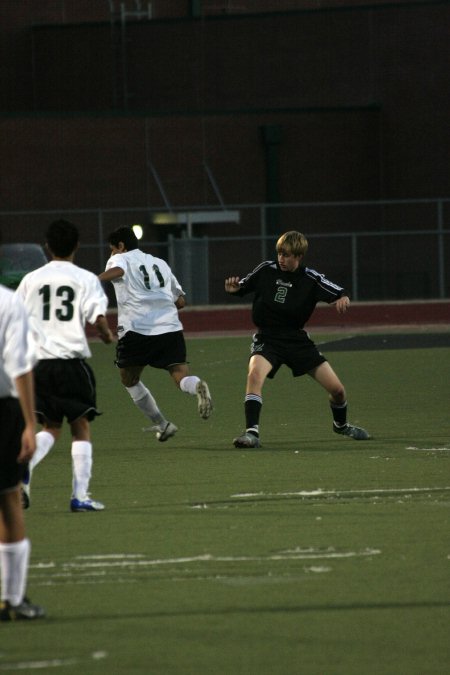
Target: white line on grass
{"x":337,"y":493}
{"x":50,"y":663}
{"x":207,"y":557}
{"x":412,"y":447}
{"x":38,"y":665}
{"x":85,"y":563}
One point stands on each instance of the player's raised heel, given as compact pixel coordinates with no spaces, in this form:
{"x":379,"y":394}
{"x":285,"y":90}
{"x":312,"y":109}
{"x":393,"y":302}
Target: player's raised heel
{"x":164,"y":432}
{"x":357,"y":433}
{"x":247,"y":440}
{"x":205,"y":405}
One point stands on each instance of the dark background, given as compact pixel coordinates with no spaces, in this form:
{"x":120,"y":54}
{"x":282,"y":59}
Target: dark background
{"x":233,"y":102}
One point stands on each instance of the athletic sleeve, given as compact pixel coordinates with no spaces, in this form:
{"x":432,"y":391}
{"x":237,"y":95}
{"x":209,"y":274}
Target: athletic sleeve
{"x":249,"y":283}
{"x":116,"y":260}
{"x":19,"y":352}
{"x":326,"y":290}
{"x":175,"y":287}
{"x":96,"y":300}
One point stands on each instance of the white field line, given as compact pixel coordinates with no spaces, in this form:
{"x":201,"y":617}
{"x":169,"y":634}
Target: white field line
{"x":337,"y":493}
{"x":50,"y":663}
{"x":104,"y":562}
{"x":38,"y":665}
{"x":412,"y":447}
{"x":118,"y":569}
{"x":212,"y":558}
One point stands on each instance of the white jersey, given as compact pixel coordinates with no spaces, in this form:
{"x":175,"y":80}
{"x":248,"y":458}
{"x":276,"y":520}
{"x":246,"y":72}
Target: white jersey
{"x":145,"y":294}
{"x":60,"y":298}
{"x":17,"y":349}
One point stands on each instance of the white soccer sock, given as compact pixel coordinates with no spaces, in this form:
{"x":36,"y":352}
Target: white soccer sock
{"x":14,"y":569}
{"x":189,"y":383}
{"x":81,"y":468}
{"x":44,"y":443}
{"x":143,"y":399}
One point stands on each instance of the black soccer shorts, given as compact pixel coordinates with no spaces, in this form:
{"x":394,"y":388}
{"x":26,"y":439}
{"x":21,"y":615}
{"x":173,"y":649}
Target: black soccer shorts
{"x":11,"y":428}
{"x":300,"y":354}
{"x":65,"y":388}
{"x":158,"y":351}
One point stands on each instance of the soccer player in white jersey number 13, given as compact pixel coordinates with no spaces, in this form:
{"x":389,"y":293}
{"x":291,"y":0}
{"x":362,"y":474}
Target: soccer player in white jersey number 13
{"x":61,"y":297}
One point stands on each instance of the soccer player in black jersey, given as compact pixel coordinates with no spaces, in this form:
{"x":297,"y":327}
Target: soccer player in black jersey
{"x":285,"y":295}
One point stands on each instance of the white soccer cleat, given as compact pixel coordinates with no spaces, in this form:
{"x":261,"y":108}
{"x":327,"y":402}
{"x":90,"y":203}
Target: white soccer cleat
{"x":86,"y":504}
{"x":205,"y":405}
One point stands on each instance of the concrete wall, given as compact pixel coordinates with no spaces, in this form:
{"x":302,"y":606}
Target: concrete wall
{"x":356,"y":99}
{"x":360,"y":96}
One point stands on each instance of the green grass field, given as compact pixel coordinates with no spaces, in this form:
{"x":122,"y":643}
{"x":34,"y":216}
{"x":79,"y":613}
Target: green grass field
{"x":313,"y":555}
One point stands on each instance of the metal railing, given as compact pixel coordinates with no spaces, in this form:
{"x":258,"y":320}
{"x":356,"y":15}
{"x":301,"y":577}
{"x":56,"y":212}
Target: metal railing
{"x":378,"y":250}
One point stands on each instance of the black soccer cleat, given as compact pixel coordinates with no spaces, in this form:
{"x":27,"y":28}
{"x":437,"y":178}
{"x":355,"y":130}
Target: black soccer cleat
{"x":26,"y":611}
{"x":247,"y":440}
{"x":357,"y":433}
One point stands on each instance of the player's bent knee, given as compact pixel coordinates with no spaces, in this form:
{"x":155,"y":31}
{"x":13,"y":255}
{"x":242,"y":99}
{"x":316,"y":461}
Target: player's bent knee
{"x":129,"y":380}
{"x":338,"y":394}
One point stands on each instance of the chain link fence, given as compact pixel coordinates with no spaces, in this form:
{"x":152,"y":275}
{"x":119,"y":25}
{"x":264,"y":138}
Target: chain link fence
{"x":383,"y":250}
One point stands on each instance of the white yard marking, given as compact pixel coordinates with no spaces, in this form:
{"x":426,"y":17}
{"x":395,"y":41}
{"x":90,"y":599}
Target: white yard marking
{"x":114,"y":568}
{"x":38,"y":665}
{"x":51,"y":663}
{"x":412,"y":447}
{"x":294,"y":554}
{"x":338,"y":493}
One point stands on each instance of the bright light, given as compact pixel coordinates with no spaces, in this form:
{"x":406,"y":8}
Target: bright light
{"x":138,"y":230}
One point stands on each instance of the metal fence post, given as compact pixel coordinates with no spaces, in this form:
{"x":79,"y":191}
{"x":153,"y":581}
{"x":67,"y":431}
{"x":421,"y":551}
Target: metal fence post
{"x":101,"y":240}
{"x":440,"y":238}
{"x":354,"y":243}
{"x":262,"y":211}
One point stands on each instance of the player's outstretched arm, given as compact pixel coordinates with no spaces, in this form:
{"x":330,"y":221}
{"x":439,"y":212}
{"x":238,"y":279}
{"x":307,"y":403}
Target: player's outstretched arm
{"x":232,"y":284}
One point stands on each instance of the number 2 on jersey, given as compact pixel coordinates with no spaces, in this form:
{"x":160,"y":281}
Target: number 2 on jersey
{"x":280,"y":295}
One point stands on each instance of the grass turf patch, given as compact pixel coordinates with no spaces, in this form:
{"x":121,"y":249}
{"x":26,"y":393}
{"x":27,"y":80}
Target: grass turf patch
{"x":314,"y":554}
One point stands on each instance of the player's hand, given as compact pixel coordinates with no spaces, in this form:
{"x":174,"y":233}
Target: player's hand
{"x":342,"y":304}
{"x":28,"y":445}
{"x":107,"y":338}
{"x":232,"y":284}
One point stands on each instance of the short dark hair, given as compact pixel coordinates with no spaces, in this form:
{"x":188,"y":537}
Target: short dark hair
{"x":124,"y":235}
{"x":62,"y":238}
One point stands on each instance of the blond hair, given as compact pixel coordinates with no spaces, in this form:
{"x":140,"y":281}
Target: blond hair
{"x":292,"y":243}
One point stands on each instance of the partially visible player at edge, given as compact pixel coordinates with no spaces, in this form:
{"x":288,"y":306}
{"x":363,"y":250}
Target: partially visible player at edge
{"x":17,"y":444}
{"x":149,"y":329}
{"x":60,"y":298}
{"x":285,"y":295}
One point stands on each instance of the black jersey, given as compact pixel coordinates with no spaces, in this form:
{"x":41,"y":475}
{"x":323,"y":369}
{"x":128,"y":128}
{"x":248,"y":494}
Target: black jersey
{"x":284,"y":301}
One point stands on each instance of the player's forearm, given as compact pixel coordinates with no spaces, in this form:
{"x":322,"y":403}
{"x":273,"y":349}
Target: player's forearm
{"x":180,"y":302}
{"x":103,"y":329}
{"x":25,"y":389}
{"x":111,"y":274}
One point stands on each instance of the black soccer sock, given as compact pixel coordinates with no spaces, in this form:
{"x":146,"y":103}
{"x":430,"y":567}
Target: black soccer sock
{"x":252,"y":407}
{"x":339,"y":413}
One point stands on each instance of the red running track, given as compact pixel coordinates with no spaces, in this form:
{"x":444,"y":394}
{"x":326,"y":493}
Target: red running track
{"x":232,"y":318}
